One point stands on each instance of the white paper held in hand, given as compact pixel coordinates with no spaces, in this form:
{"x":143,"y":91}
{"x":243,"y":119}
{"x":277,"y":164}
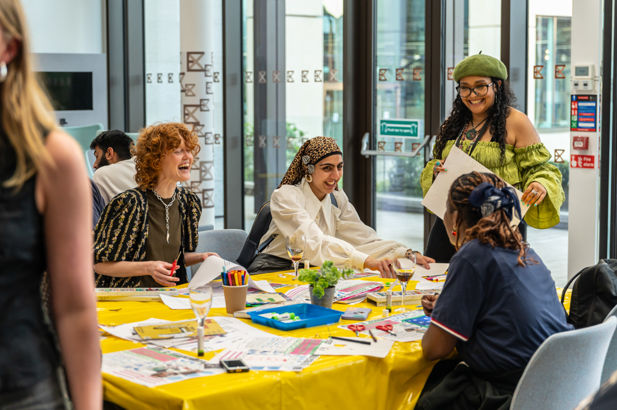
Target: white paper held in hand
{"x":212,"y":267}
{"x":458,"y":163}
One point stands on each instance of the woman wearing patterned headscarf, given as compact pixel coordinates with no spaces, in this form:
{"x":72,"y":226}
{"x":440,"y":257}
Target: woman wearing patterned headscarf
{"x":310,"y":211}
{"x":497,"y":306}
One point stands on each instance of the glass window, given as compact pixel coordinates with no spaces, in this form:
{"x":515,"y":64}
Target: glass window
{"x":293,"y":87}
{"x":553,"y":54}
{"x":183,"y":83}
{"x":548,"y":107}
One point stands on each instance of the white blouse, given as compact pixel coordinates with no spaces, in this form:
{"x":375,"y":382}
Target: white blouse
{"x":331,"y":232}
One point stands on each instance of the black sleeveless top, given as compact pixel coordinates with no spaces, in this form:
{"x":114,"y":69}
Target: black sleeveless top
{"x":28,"y":352}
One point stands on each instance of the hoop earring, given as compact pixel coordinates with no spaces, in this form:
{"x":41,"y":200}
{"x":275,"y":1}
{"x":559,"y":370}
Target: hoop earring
{"x":309,"y":178}
{"x":4,"y":71}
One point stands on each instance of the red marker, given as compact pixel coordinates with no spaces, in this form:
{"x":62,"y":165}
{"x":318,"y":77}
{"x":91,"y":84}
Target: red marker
{"x":173,"y":267}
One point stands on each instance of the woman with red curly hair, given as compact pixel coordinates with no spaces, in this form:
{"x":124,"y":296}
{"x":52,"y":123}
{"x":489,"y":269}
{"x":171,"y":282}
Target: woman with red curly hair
{"x":144,"y":230}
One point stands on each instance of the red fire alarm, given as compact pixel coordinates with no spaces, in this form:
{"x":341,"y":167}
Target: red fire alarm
{"x":580,"y":142}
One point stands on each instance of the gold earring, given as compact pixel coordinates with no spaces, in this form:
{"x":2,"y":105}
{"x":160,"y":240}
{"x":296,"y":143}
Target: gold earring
{"x":309,"y":178}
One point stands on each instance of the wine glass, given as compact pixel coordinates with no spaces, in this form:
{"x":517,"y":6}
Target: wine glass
{"x":403,"y":276}
{"x":295,"y":250}
{"x":201,"y":300}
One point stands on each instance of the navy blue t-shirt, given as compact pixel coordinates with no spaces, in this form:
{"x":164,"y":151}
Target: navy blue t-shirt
{"x":500,"y":311}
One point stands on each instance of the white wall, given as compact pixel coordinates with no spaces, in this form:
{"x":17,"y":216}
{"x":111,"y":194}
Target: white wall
{"x":485,"y":27}
{"x":66,"y":26}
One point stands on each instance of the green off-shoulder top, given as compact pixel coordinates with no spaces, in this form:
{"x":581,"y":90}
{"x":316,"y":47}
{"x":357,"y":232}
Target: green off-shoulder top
{"x":519,"y":167}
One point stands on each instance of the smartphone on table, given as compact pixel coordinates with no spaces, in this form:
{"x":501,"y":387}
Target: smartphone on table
{"x":234,"y":365}
{"x":356,"y":313}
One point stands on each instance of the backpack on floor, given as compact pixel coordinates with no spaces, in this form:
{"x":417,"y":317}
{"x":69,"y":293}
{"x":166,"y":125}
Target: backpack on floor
{"x":594,"y":294}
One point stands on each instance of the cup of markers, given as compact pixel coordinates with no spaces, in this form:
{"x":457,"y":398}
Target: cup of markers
{"x":235,"y":286}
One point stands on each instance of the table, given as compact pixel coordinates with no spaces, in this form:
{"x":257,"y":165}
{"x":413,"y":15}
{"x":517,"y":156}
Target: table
{"x":331,"y":382}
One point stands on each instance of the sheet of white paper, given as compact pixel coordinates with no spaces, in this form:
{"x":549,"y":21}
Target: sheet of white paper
{"x":457,"y":164}
{"x":424,"y":284}
{"x":274,"y":353}
{"x":436,"y":269}
{"x":406,"y":263}
{"x":262,"y":285}
{"x":337,"y":347}
{"x":154,"y":367}
{"x":125,"y":331}
{"x":211,"y":269}
{"x":175,"y":303}
{"x":403,"y":331}
{"x":299,"y":294}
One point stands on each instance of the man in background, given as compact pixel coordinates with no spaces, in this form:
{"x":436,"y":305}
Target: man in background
{"x":114,"y":165}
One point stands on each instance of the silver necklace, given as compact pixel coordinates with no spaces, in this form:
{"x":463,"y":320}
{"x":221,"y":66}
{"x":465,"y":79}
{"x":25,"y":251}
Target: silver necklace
{"x":167,"y":206}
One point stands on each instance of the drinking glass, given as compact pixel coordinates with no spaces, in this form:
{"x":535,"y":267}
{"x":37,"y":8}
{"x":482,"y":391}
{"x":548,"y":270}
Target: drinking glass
{"x":295,"y":250}
{"x":403,"y":276}
{"x":201,"y":300}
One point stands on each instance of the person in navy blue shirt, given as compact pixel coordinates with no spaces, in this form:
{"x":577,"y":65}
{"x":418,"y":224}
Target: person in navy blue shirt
{"x":497,"y":306}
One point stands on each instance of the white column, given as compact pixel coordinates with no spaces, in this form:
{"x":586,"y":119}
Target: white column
{"x":584,"y":183}
{"x":200,"y":47}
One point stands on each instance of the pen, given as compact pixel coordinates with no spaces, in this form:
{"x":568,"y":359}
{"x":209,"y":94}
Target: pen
{"x":372,"y":335}
{"x":346,"y":339}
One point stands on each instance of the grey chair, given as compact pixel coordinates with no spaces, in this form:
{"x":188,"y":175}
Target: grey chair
{"x":226,"y":242}
{"x":610,"y":363}
{"x":565,"y":369}
{"x":84,"y":136}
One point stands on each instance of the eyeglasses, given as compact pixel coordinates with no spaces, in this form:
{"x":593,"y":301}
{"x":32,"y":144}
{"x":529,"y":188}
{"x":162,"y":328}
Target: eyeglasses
{"x":480,"y":90}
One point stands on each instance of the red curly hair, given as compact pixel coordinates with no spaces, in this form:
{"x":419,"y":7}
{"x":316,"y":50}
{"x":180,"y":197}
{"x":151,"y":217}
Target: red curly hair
{"x":154,"y":143}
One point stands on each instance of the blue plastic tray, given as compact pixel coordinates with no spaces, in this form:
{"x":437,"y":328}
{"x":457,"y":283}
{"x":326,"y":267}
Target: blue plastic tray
{"x":310,"y":315}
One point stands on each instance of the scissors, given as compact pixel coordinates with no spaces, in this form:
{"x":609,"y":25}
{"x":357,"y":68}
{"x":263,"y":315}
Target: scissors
{"x":386,"y":328}
{"x":356,"y":328}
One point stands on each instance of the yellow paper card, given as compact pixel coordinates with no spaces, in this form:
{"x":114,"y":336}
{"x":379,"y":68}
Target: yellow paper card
{"x":185,"y":328}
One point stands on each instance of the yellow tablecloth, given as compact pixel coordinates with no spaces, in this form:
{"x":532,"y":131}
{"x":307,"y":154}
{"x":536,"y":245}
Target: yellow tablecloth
{"x":331,"y":382}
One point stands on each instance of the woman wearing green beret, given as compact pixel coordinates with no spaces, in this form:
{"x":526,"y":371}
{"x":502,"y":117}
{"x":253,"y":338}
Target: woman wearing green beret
{"x":484,"y":125}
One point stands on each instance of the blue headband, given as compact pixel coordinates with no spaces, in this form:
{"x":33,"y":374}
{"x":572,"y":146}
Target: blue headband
{"x":488,"y":199}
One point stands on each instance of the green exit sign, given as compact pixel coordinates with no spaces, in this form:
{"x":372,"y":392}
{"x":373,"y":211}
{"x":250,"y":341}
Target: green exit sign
{"x":399,"y":128}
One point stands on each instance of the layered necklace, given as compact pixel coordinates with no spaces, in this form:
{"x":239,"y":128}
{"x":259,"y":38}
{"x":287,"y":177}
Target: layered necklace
{"x":472,"y":133}
{"x":167,"y":206}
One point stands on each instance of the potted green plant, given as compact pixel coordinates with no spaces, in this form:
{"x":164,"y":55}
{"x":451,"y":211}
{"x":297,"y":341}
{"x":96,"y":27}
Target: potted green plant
{"x":322,"y":282}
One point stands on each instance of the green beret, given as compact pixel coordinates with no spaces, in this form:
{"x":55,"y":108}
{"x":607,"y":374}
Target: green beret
{"x":481,"y":65}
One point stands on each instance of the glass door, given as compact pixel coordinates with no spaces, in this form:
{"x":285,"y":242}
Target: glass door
{"x":400,"y":58}
{"x":548,"y":103}
{"x":401,"y":110}
{"x":292,"y":87}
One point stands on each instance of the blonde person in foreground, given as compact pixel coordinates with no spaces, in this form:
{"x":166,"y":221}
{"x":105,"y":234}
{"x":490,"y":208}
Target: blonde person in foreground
{"x":308,"y":204}
{"x":43,"y":227}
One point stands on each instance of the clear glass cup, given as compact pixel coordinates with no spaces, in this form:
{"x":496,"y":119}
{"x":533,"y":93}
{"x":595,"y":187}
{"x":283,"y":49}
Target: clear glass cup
{"x":201,"y":301}
{"x":295,"y":250}
{"x":403,"y":276}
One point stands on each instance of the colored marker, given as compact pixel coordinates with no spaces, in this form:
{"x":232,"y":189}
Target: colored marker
{"x":173,"y":267}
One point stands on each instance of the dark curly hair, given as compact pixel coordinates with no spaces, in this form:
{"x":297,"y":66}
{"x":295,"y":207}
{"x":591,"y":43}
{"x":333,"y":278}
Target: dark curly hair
{"x":460,"y":116}
{"x":493,"y":229}
{"x":154,"y":143}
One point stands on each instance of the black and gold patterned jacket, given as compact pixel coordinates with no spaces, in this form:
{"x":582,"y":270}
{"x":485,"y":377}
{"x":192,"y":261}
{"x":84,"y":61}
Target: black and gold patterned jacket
{"x":122,"y":231}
